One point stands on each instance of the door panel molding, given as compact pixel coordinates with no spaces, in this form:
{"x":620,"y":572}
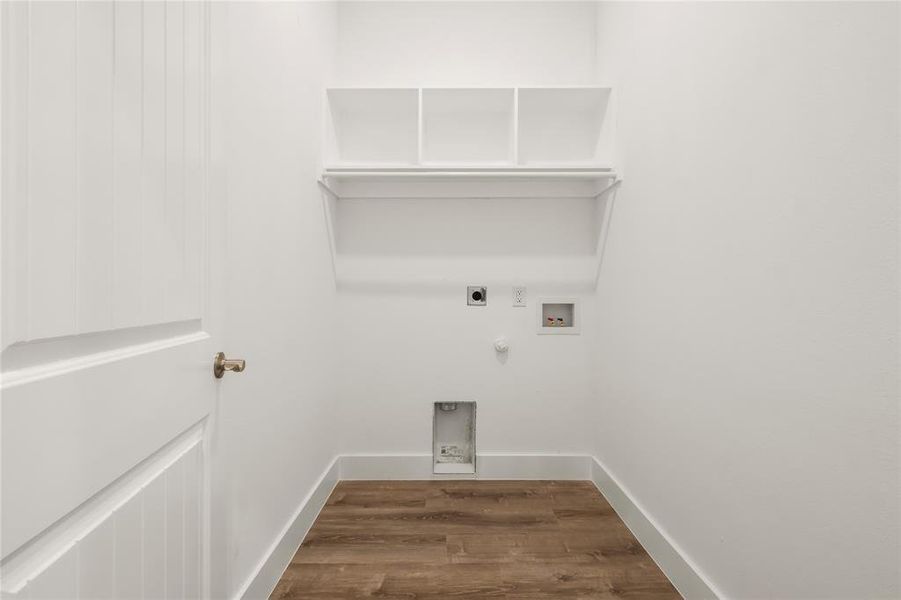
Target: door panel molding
{"x":64,"y":439}
{"x":108,"y":316}
{"x":57,"y":368}
{"x":178,"y":468}
{"x":104,"y":154}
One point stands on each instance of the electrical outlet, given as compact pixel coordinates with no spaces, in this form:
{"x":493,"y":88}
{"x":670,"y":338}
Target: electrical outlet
{"x":519,"y":296}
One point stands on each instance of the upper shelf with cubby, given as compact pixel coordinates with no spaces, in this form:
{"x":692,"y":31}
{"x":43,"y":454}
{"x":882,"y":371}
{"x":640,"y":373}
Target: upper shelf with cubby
{"x":373,"y":127}
{"x":469,"y":132}
{"x":467,"y":126}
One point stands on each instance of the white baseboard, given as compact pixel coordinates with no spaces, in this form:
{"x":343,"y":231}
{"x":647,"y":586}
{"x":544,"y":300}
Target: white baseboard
{"x":488,"y":466}
{"x":263,"y":581}
{"x":681,"y":572}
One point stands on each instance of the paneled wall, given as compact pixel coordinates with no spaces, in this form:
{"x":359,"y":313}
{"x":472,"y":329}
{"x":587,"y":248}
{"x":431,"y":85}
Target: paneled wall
{"x":102,"y":187}
{"x":142,"y":538}
{"x":106,"y":378}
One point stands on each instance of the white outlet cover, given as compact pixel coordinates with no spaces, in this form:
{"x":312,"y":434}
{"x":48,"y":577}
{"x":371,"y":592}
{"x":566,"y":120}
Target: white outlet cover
{"x":519,"y":296}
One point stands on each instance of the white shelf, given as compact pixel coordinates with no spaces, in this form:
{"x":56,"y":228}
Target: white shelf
{"x":468,"y":170}
{"x":376,"y":127}
{"x":541,"y":154}
{"x":563,"y":125}
{"x":473,"y":125}
{"x":467,"y":132}
{"x":467,"y":182}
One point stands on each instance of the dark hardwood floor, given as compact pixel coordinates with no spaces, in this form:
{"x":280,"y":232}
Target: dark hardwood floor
{"x":517,"y":540}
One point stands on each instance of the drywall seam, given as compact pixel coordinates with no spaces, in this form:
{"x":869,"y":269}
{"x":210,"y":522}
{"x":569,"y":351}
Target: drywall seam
{"x":45,"y":549}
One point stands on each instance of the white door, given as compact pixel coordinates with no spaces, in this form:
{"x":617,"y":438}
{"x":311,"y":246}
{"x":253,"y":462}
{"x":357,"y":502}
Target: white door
{"x":110,"y":237}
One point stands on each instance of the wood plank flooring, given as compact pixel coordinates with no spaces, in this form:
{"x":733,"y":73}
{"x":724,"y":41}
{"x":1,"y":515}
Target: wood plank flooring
{"x":516,"y":540}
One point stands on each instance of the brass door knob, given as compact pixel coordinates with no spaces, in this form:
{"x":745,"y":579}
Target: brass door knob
{"x":222,"y":364}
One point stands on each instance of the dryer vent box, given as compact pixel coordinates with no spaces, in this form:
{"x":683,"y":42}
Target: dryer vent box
{"x":476,"y":295}
{"x":454,"y":438}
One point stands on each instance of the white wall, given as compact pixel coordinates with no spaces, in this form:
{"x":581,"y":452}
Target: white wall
{"x":538,"y":227}
{"x":277,"y":418}
{"x":746,"y":374}
{"x":404,"y":350}
{"x":409,"y":343}
{"x":466,"y":43}
{"x":748,"y":303}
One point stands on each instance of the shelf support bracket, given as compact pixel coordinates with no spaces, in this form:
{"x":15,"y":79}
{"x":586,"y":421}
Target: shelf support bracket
{"x":328,"y":190}
{"x":610,"y":187}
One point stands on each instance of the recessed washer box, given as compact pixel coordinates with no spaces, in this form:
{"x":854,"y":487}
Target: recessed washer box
{"x":454,"y":438}
{"x":559,"y":316}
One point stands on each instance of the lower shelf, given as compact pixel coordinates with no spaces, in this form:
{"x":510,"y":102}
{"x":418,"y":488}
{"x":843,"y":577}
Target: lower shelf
{"x":461,"y":182}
